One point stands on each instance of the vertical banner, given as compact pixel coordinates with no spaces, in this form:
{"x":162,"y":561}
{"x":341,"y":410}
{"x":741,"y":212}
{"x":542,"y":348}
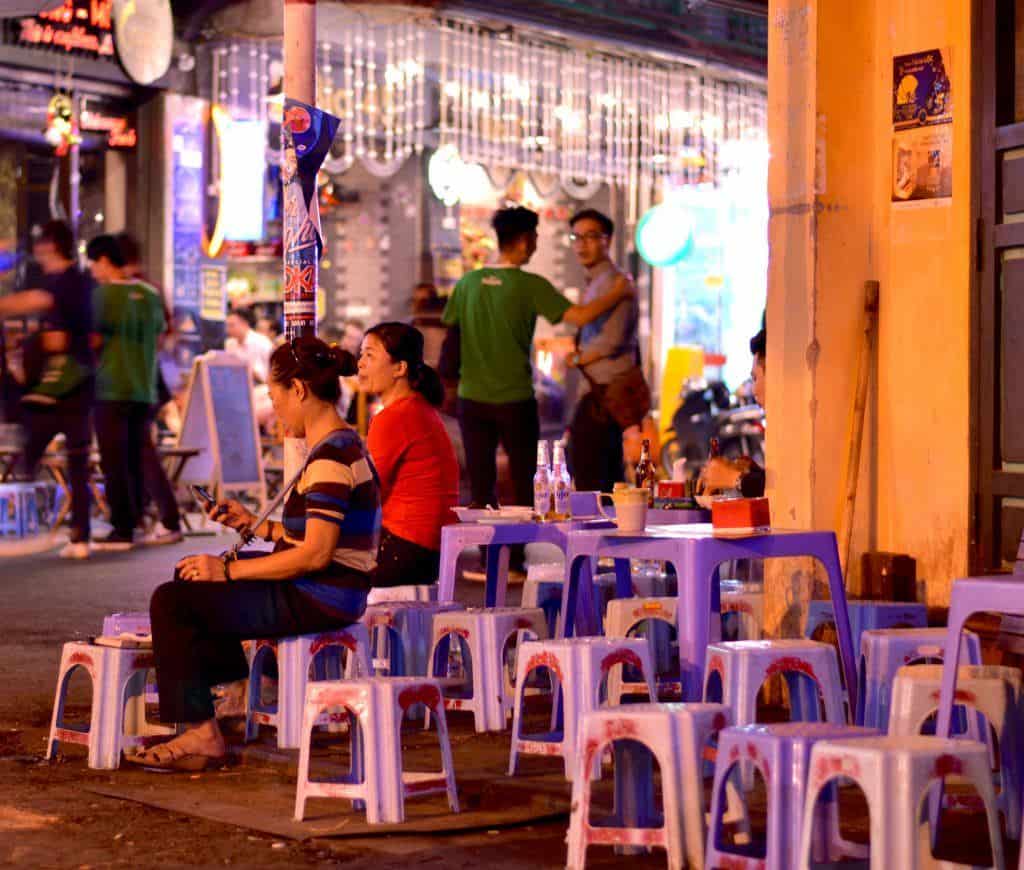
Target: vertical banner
{"x":213,"y":305}
{"x":185,"y":125}
{"x":922,"y":120}
{"x":306,"y":136}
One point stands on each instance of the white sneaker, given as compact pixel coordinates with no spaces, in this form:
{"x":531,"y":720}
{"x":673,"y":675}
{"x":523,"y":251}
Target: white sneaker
{"x":160,"y":535}
{"x":75,"y":550}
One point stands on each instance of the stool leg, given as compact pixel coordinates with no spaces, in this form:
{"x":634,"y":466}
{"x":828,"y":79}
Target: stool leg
{"x":447,"y":765}
{"x":293,"y":675}
{"x":57,"y":718}
{"x":254,"y":697}
{"x":107,"y":720}
{"x":634,"y":789}
{"x":309,"y":717}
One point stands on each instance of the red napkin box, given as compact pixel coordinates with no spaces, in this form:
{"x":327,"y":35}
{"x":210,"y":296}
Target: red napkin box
{"x":740,"y":513}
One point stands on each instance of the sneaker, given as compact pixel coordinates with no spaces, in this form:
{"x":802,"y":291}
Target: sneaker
{"x":160,"y":535}
{"x":75,"y":550}
{"x":112,"y":543}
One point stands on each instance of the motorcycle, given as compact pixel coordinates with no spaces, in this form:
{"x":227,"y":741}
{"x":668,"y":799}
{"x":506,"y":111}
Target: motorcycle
{"x":707,"y":411}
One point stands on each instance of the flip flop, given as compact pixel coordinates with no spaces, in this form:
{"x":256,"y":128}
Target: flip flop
{"x":176,"y":760}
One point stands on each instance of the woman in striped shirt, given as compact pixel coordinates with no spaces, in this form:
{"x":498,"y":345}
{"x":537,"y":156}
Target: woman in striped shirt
{"x":316,"y":579}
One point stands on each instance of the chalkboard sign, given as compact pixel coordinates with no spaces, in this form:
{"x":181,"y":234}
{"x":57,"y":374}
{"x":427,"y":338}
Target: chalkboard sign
{"x":220,"y":421}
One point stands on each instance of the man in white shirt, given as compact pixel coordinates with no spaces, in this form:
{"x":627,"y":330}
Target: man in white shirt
{"x":246,"y":343}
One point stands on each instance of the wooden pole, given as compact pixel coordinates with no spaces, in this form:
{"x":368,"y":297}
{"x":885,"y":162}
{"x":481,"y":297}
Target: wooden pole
{"x":865,"y":364}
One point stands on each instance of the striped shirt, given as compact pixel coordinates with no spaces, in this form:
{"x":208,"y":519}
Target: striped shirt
{"x":338,"y":485}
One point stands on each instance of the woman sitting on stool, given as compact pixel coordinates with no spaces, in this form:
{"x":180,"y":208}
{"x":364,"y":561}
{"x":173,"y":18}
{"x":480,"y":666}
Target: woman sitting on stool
{"x":419,"y":474}
{"x":316,"y":579}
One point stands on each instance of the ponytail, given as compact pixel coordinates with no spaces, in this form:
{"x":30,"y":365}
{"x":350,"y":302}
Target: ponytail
{"x":427,"y":382}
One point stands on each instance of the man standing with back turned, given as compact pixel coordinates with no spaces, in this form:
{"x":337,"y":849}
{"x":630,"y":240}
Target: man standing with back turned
{"x":130,"y":320}
{"x":495,"y":309}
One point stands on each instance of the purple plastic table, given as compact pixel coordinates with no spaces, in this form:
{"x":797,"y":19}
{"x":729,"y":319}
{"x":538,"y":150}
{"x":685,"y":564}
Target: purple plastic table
{"x":696,"y":554}
{"x":498,"y":537}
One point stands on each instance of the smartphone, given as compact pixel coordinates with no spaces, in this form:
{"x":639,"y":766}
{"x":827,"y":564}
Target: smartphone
{"x":202,"y":495}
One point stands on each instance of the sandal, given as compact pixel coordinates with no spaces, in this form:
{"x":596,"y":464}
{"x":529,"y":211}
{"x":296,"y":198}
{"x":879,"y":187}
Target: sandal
{"x":172,"y":756}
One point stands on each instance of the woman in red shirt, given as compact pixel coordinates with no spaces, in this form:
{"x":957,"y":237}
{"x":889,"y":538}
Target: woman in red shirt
{"x":409,"y":445}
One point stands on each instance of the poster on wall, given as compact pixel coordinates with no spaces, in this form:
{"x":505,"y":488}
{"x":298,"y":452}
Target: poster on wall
{"x":922,"y":120}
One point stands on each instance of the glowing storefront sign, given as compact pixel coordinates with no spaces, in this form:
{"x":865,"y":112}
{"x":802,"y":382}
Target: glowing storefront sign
{"x":242,"y":169}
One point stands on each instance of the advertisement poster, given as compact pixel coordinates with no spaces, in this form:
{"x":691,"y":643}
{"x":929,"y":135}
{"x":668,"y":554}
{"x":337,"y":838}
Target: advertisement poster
{"x":922,"y":120}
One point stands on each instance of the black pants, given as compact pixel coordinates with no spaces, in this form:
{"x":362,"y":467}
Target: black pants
{"x":154,"y":478}
{"x":595,"y":447}
{"x":404,"y":563}
{"x":121,"y":432}
{"x":198,"y":629}
{"x":71,"y":416}
{"x":516,"y":426}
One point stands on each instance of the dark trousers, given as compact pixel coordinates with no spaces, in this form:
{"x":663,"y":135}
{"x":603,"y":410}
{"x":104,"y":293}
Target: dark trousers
{"x":516,"y":427}
{"x":595,"y":447}
{"x":155,"y":481}
{"x":405,"y":563}
{"x":121,"y":432}
{"x":71,"y":416}
{"x":198,"y":629}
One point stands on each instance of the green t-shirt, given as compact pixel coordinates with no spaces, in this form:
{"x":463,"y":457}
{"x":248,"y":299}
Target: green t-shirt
{"x":495,"y":309}
{"x":130,"y":318}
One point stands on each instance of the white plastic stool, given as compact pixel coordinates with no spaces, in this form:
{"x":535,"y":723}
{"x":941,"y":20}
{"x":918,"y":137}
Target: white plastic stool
{"x":385,"y":594}
{"x":676,"y":735}
{"x":895,"y":773}
{"x":578,"y":666}
{"x":748,"y":606}
{"x":294,"y":657}
{"x":736,"y":671}
{"x":376,"y":779}
{"x":622,"y":618}
{"x":482,"y":635}
{"x":993,"y":691}
{"x":400,"y":632}
{"x":884,"y":651}
{"x":781,"y":753}
{"x":118,"y":702}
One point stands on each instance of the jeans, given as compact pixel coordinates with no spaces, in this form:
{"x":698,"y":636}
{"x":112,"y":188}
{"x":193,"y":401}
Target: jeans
{"x":595,"y":447}
{"x":121,"y":432}
{"x":405,"y":563}
{"x":70,"y":415}
{"x":514,"y":425}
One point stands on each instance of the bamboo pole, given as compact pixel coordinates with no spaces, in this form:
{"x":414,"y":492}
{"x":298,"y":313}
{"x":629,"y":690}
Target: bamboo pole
{"x":865,"y":364}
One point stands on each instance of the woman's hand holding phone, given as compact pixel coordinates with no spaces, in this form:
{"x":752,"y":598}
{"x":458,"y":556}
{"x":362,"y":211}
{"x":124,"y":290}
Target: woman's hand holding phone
{"x":232,"y":514}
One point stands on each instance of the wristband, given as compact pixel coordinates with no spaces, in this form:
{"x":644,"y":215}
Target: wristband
{"x":269,"y":536}
{"x":226,"y":561}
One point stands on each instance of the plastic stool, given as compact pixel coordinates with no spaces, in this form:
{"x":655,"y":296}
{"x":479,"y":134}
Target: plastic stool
{"x":19,"y":510}
{"x":376,"y":707}
{"x":993,"y":691}
{"x":781,"y":752}
{"x":747,"y":606}
{"x":543,"y":589}
{"x":118,"y":703}
{"x":386,"y":594}
{"x":656,"y":618}
{"x":400,"y":633}
{"x":578,"y":666}
{"x":866,"y":615}
{"x":294,"y":657}
{"x":895,"y":773}
{"x":884,"y":651}
{"x":481,"y":636}
{"x":676,"y":736}
{"x":737,"y":670}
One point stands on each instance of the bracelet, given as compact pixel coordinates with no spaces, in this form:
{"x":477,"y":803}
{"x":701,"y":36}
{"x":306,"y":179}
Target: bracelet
{"x":226,"y":561}
{"x":227,"y":571}
{"x":269,"y":536}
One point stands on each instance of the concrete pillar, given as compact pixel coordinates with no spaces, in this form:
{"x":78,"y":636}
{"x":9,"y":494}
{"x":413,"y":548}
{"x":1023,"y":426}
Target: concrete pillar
{"x":115,"y":191}
{"x":833,"y":227}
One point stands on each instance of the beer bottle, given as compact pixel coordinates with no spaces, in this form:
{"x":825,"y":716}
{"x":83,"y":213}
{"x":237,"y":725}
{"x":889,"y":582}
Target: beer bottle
{"x":645,"y":477}
{"x":542,"y":483}
{"x":561,"y":487}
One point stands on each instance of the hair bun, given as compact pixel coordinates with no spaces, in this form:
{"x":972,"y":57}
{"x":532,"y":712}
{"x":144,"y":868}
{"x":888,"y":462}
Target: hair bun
{"x":343,"y":361}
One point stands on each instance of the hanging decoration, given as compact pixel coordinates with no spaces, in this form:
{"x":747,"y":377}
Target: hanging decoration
{"x":664,"y":235}
{"x":446,"y":172}
{"x":61,"y":131}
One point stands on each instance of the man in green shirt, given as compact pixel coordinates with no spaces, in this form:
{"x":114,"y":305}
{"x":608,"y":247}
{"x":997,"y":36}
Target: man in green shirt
{"x":496,"y":310}
{"x":129,"y":317}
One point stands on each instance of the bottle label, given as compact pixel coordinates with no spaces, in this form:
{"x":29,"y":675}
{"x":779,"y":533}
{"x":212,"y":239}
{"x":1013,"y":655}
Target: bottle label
{"x":541,"y":497}
{"x":563,"y":498}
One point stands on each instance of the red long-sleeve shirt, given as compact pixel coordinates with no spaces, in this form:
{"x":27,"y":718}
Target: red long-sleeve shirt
{"x":419,"y":474}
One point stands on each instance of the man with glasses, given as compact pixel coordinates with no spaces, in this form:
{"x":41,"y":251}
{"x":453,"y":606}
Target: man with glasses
{"x":495,"y":310}
{"x":607,"y":348}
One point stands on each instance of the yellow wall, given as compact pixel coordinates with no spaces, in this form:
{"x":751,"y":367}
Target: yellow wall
{"x":832,"y":228}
